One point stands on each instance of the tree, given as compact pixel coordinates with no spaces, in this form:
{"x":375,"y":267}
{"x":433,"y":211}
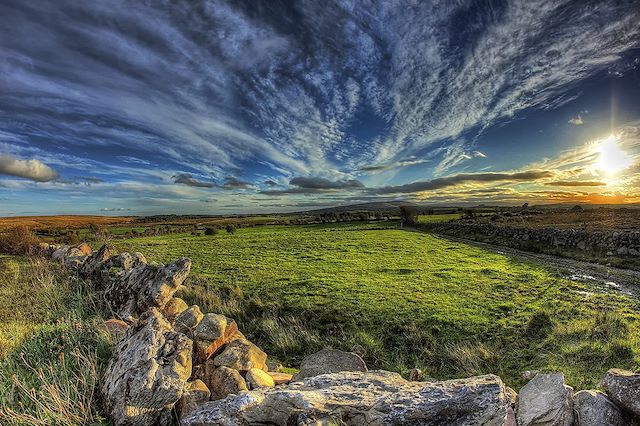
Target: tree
{"x":408,"y":215}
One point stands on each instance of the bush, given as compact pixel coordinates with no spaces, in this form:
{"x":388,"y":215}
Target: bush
{"x":231,"y":229}
{"x":19,"y":241}
{"x":408,"y":215}
{"x":539,"y":325}
{"x":211,"y":231}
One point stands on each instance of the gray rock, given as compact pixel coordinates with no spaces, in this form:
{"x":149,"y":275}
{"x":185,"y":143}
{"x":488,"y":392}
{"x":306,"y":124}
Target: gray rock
{"x":545,"y":401}
{"x":593,"y":408}
{"x":146,"y":286}
{"x":188,"y":320}
{"x":358,"y":398}
{"x":195,"y":394}
{"x":94,"y":269}
{"x":147,"y":373}
{"x":329,"y":361}
{"x":623,"y":388}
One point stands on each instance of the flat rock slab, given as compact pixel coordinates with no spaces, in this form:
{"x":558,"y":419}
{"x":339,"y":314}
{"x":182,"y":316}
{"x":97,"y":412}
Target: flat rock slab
{"x":329,"y":361}
{"x":359,"y":398}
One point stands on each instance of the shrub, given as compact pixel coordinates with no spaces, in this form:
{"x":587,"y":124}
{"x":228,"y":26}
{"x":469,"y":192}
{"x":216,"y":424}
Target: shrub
{"x":408,"y":215}
{"x":231,"y":229}
{"x":211,"y":231}
{"x":19,"y":241}
{"x":539,"y":325}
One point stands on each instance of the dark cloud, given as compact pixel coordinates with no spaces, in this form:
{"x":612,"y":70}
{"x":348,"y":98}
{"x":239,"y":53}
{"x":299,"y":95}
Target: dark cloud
{"x":391,"y":166}
{"x":440,"y":183}
{"x":28,"y":169}
{"x":315,"y":185}
{"x":576,"y":183}
{"x":235,"y":183}
{"x":270,"y":182}
{"x":187,"y":179}
{"x":81,"y":180}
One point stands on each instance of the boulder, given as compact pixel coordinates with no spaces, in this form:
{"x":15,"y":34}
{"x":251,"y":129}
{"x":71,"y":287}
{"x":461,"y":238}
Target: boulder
{"x":226,"y":381}
{"x":242,"y":355}
{"x":545,"y":401}
{"x":125,"y":261}
{"x":188,"y":320}
{"x":257,"y":378}
{"x":116,"y":328}
{"x":280,"y":378}
{"x":93,"y":266}
{"x":593,"y":408}
{"x":212,"y":333}
{"x":329,"y":361}
{"x":147,"y":373}
{"x":59,"y":253}
{"x":623,"y":388}
{"x":146,"y":286}
{"x":358,"y":398}
{"x":174,"y":307}
{"x":195,"y":394}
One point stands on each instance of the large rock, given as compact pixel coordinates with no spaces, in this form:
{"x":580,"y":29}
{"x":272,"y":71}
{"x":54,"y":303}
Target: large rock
{"x":623,"y":387}
{"x":226,"y":381}
{"x":147,"y":373}
{"x":188,"y":320}
{"x":329,"y":361}
{"x":242,"y":355}
{"x":93,"y":266}
{"x":545,"y":401}
{"x":257,"y":378}
{"x":174,"y":307}
{"x":146,"y":286}
{"x":593,"y":408}
{"x":195,"y":394}
{"x":358,"y":398}
{"x":212,"y":333}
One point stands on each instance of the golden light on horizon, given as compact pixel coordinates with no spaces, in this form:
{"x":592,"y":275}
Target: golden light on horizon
{"x":611,"y":158}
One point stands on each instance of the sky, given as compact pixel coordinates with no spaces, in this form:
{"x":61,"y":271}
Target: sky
{"x":223,"y":107}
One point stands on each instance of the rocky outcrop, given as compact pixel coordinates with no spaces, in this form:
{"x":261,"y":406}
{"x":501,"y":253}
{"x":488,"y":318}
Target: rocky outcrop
{"x":593,"y":408}
{"x":146,"y":286}
{"x":330,"y":361}
{"x":545,"y":401}
{"x":623,"y":387}
{"x":148,"y":372}
{"x":358,"y":398}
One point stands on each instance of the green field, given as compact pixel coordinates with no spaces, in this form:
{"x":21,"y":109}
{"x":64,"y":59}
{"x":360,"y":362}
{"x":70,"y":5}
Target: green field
{"x":403,"y":299}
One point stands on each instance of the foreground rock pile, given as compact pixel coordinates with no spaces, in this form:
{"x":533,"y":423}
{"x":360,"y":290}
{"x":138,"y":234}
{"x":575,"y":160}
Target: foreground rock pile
{"x":174,"y":363}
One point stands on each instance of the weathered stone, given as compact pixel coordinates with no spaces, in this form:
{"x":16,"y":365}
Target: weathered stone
{"x":60,"y":253}
{"x":257,"y":378}
{"x":623,"y":388}
{"x":545,"y":401}
{"x":188,"y":320}
{"x":74,"y":262}
{"x":593,"y":408}
{"x":146,"y":286}
{"x":84,"y":248}
{"x":174,"y":307}
{"x":125,"y":261}
{"x":226,"y":381}
{"x":93,"y":266}
{"x":213,"y":325}
{"x":147,"y":373}
{"x":329,"y":361}
{"x":358,"y":398}
{"x":280,"y":378}
{"x":529,"y":374}
{"x":415,"y":375}
{"x":242,"y":355}
{"x":116,"y":328}
{"x":195,"y":394}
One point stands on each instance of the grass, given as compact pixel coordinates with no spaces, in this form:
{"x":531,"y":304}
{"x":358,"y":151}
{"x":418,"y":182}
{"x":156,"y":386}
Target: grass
{"x":53,"y":346}
{"x":403,"y":300}
{"x":433,"y":218}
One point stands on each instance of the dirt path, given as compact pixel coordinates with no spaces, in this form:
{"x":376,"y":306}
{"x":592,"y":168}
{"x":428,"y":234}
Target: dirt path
{"x":601,"y":277}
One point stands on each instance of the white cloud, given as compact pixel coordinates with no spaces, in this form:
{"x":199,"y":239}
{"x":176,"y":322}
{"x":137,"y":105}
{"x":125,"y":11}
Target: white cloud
{"x":576,"y":121}
{"x":29,"y":169}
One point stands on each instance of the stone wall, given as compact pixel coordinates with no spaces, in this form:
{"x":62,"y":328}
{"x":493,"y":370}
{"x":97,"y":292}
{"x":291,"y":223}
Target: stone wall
{"x":592,"y":243}
{"x":174,"y":364}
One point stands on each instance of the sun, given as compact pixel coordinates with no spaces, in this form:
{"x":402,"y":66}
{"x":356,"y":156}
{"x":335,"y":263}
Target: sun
{"x":611,"y":159}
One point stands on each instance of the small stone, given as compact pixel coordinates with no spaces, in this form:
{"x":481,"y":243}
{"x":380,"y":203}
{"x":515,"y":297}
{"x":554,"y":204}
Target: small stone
{"x":280,"y":378}
{"x":257,"y":378}
{"x":195,"y":394}
{"x":593,"y":408}
{"x":174,"y":307}
{"x":188,"y":320}
{"x":415,"y":375}
{"x":85,"y":249}
{"x":545,"y":401}
{"x":330,"y":361}
{"x":226,"y":381}
{"x":623,"y":388}
{"x":242,"y":355}
{"x":116,"y":328}
{"x":529,"y":374}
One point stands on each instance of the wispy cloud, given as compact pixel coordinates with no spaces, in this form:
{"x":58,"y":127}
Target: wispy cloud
{"x":576,"y":121}
{"x":189,"y":180}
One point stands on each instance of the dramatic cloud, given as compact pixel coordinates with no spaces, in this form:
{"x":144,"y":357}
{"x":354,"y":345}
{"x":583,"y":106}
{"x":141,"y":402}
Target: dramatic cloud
{"x":575,"y":183}
{"x":391,"y":166}
{"x":576,"y":121}
{"x":464,"y":178}
{"x":187,"y":179}
{"x":315,"y":185}
{"x":235,"y":183}
{"x":29,"y":169}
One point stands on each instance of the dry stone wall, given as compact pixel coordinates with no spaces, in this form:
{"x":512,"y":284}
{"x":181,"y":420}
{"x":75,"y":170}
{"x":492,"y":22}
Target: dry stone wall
{"x":174,"y":364}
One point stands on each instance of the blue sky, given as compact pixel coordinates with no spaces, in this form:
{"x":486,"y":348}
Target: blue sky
{"x":216,"y":107}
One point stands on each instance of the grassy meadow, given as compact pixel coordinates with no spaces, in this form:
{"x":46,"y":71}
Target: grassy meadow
{"x":403,"y":299}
